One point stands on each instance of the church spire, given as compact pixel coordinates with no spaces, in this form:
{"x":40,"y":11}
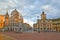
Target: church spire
{"x":6,"y":13}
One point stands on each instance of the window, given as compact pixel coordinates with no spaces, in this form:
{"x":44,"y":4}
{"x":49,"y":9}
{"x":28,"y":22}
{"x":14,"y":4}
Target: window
{"x":20,"y":28}
{"x":1,"y":20}
{"x":41,"y":25}
{"x":41,"y":28}
{"x":1,"y":24}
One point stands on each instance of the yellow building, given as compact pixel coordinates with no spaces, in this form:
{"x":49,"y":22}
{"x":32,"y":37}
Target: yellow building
{"x":2,"y":21}
{"x":45,"y":24}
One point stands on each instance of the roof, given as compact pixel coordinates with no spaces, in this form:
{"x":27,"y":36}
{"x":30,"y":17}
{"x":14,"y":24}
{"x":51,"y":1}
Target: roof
{"x":14,"y":12}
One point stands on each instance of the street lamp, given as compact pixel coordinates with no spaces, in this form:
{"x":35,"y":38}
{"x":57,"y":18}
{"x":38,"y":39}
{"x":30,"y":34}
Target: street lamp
{"x":38,"y":24}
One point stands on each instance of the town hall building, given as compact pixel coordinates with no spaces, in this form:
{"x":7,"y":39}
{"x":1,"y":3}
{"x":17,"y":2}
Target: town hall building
{"x":45,"y":24}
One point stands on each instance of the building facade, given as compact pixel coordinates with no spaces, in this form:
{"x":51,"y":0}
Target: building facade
{"x":26,"y":27}
{"x":45,"y":24}
{"x":2,"y":21}
{"x":13,"y":22}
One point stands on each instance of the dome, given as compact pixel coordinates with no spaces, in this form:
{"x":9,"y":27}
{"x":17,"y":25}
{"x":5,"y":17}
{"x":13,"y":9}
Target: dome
{"x":14,"y":12}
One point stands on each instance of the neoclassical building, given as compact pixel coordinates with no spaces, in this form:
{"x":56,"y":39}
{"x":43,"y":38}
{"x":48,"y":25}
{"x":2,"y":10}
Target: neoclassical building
{"x":13,"y":22}
{"x":45,"y":24}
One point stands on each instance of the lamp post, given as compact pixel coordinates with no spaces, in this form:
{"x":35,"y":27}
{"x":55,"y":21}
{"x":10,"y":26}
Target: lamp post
{"x":38,"y":24}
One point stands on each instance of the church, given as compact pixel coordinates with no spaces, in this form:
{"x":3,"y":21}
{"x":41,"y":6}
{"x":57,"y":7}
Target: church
{"x":13,"y":22}
{"x":47,"y":25}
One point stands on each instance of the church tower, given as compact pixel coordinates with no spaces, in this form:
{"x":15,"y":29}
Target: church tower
{"x":43,"y":16}
{"x":7,"y":19}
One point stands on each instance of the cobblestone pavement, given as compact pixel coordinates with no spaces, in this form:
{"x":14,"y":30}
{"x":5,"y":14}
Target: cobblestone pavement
{"x":34,"y":36}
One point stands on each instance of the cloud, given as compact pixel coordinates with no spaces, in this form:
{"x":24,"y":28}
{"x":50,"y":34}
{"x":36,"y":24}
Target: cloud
{"x":49,"y":8}
{"x":29,"y":22}
{"x":3,"y":5}
{"x":11,"y":3}
{"x":30,"y":9}
{"x":50,"y":11}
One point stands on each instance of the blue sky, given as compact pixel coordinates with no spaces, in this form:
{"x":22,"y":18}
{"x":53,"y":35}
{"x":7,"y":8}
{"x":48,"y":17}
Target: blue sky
{"x":30,"y":9}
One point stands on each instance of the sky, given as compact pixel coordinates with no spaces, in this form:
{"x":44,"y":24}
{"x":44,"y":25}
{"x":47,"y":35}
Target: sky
{"x":31,"y":9}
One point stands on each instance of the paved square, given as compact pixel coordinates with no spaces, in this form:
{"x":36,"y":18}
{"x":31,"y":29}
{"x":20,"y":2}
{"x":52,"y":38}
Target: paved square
{"x":34,"y":36}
